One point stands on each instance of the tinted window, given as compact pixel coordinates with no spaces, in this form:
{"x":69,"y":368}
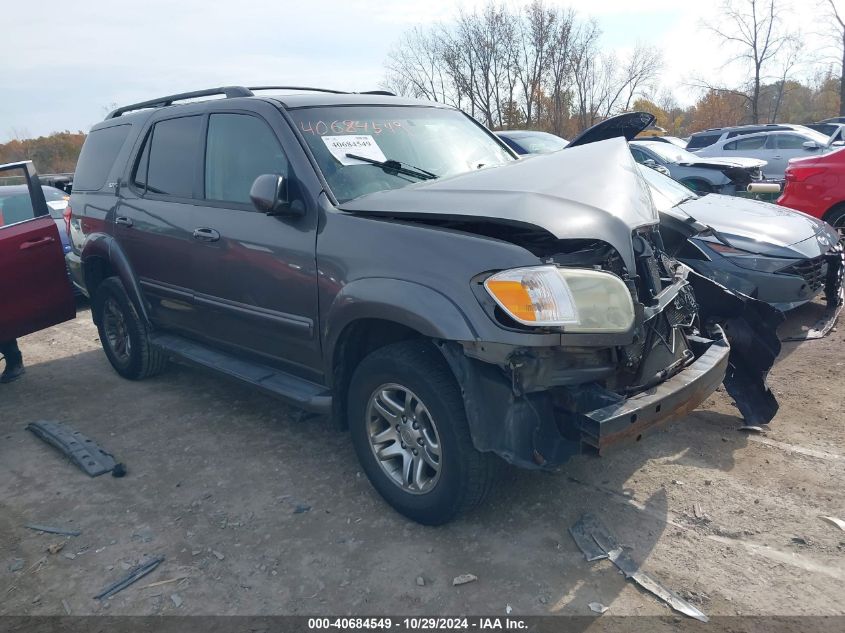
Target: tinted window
{"x":97,"y":157}
{"x":173,"y":151}
{"x":790,"y":141}
{"x":239,"y":148}
{"x":15,"y":201}
{"x":639,"y":155}
{"x":754,"y":142}
{"x":702,"y":140}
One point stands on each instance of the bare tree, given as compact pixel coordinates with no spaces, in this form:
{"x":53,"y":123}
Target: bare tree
{"x":755,"y":27}
{"x":839,"y":33}
{"x":415,"y":66}
{"x":559,"y":80}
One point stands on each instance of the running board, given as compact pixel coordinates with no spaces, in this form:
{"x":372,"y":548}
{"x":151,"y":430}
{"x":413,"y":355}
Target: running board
{"x":298,"y":391}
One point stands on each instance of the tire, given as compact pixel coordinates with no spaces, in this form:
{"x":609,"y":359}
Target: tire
{"x":836,"y":218}
{"x":464,"y":476}
{"x":123,"y":335}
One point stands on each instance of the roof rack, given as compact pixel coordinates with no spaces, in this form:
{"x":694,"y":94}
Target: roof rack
{"x":384,"y":93}
{"x":230,"y":92}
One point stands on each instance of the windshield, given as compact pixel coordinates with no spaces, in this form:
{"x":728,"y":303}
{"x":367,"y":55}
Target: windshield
{"x":540,"y":142}
{"x":665,"y":192}
{"x":818,"y":137}
{"x":671,"y":153}
{"x":442,"y":141}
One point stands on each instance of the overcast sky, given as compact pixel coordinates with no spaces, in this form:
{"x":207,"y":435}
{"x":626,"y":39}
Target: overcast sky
{"x":68,"y":62}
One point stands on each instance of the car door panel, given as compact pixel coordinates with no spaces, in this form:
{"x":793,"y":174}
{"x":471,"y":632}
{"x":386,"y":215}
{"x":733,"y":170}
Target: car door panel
{"x":35,"y":292}
{"x":154,"y":219}
{"x":256,"y":274}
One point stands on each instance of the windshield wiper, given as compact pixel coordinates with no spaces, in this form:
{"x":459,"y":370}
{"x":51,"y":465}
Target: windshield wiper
{"x":395,"y":165}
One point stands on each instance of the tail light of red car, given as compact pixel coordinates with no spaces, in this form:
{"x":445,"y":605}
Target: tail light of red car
{"x":66,"y":214}
{"x":800,"y":174}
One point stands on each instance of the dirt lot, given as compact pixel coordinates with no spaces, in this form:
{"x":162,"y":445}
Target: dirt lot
{"x":263,"y":512}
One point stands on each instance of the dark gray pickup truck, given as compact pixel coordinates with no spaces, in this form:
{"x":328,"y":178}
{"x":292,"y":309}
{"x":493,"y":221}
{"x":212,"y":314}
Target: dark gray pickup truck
{"x":390,"y":263}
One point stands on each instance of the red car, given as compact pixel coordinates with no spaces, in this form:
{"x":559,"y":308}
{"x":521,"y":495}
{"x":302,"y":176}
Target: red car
{"x":35,"y":292}
{"x":816,"y":186}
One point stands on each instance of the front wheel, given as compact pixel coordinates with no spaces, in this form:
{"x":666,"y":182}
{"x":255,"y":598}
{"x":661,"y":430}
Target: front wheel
{"x":410,"y":432}
{"x":836,"y":218}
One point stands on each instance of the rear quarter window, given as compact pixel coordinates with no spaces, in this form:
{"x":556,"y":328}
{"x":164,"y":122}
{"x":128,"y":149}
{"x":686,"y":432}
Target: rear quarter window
{"x":97,"y":157}
{"x":702,"y":140}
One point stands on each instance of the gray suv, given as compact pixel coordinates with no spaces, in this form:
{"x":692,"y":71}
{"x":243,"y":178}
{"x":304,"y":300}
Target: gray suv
{"x":389,"y":262}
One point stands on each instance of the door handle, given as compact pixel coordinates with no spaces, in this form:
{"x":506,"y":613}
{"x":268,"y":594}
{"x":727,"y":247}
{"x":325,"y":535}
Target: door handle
{"x":778,"y":157}
{"x":122,"y":220}
{"x":36,"y":243}
{"x":206,"y":235}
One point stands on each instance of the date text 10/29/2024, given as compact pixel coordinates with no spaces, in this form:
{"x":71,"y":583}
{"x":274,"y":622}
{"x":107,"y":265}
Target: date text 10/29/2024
{"x":418,"y":624}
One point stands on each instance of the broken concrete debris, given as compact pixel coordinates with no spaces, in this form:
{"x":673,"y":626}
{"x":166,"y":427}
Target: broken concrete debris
{"x":463,"y":579}
{"x":81,"y":450}
{"x":134,"y":574}
{"x":595,"y":541}
{"x":598,"y":607}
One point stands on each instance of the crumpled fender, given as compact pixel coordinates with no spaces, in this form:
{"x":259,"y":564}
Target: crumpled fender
{"x":751,"y":328}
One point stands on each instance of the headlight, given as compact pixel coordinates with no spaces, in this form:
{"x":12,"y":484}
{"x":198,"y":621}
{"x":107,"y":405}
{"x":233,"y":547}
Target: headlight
{"x":751,"y":261}
{"x":577,"y":299}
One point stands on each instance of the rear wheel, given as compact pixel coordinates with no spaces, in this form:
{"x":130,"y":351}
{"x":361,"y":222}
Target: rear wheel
{"x":123,"y":335}
{"x":409,"y":430}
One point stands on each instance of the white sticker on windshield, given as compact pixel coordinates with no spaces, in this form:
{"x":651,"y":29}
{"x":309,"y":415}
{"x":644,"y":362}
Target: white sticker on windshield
{"x":362,"y":145}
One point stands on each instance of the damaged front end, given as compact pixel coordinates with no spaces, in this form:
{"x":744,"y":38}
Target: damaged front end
{"x":537,"y":407}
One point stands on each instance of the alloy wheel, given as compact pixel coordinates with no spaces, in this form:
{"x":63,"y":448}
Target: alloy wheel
{"x":116,"y":330}
{"x":404,"y":439}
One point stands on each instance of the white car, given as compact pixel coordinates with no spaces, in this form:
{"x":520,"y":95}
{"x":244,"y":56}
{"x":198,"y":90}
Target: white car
{"x":776,"y":148}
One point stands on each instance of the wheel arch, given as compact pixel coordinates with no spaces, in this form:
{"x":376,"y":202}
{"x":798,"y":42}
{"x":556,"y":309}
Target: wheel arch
{"x":370,"y":314}
{"x":102,"y":258}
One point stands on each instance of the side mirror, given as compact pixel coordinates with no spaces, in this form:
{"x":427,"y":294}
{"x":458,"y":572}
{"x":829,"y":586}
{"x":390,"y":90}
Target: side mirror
{"x":269,"y":194}
{"x":810,"y":145}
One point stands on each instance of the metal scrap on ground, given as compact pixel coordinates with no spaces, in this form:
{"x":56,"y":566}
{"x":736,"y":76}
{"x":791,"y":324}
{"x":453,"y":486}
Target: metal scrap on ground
{"x":52,"y":530}
{"x":81,"y":450}
{"x":834,"y":521}
{"x":596,"y":542}
{"x":133,"y":575}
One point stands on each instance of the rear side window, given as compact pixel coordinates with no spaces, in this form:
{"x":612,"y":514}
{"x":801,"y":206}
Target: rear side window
{"x":756,"y":142}
{"x":239,"y":148}
{"x":167,"y":161}
{"x":702,"y":140}
{"x":97,"y":157}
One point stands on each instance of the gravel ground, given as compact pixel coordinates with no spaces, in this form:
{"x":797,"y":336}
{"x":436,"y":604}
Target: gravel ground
{"x":259,"y":510}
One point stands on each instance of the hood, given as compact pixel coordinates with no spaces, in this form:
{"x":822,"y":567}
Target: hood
{"x":759,"y":227}
{"x":746,"y":163}
{"x":590,"y":192}
{"x":626,"y":125}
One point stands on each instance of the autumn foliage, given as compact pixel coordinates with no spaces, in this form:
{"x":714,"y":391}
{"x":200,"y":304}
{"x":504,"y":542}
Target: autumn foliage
{"x":56,"y":153}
